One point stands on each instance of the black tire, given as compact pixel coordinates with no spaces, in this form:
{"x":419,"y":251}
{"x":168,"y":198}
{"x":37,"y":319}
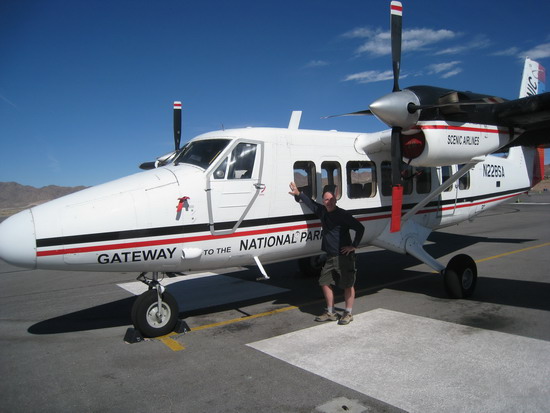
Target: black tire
{"x":144,"y":313}
{"x":311,"y":266}
{"x":460,"y":276}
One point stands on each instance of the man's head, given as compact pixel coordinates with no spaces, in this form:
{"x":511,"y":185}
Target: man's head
{"x":329,"y":200}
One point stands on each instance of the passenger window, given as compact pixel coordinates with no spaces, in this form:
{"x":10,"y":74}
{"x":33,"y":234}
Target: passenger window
{"x":304,"y":178}
{"x":331,"y":178}
{"x":407,"y":182}
{"x":446,"y":172}
{"x":423,"y":178}
{"x":408,"y":175}
{"x":241,"y":161}
{"x":386,"y":178}
{"x":361,"y":179}
{"x":464,"y":181}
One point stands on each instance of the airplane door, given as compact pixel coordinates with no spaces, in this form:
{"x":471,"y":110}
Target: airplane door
{"x":233,"y":185}
{"x":447,"y":208}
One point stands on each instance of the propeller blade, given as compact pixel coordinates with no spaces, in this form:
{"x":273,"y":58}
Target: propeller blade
{"x":396,"y":17}
{"x":169,"y":157}
{"x":177,"y":125}
{"x":397,"y":187}
{"x":396,"y":156}
{"x":358,"y":113}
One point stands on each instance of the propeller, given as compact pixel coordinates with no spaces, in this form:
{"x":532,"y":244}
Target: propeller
{"x":169,"y":157}
{"x":401,"y":109}
{"x":381,"y":108}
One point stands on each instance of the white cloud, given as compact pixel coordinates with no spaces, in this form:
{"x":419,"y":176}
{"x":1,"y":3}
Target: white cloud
{"x":370,"y":76}
{"x":360,"y":32}
{"x":480,"y":42}
{"x":445,"y":70}
{"x":538,"y":52}
{"x":451,"y":73}
{"x":316,"y":63}
{"x":511,"y":51}
{"x":442,"y":67}
{"x":378,"y":42}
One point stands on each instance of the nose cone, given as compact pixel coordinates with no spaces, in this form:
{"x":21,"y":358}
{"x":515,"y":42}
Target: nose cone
{"x":392,"y":109}
{"x":18,"y":240}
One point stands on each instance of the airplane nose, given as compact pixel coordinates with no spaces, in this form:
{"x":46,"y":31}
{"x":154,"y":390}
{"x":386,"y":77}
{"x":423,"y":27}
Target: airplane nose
{"x":18,"y":240}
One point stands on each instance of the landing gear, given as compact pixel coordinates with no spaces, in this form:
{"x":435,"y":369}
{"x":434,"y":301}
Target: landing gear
{"x":460,"y":276}
{"x":155,"y":312}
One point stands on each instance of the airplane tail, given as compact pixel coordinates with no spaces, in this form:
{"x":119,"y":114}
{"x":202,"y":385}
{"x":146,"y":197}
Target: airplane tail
{"x":533,"y":82}
{"x":534,"y":79}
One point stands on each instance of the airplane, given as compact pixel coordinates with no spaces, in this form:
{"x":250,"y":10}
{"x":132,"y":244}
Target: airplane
{"x":222,"y":199}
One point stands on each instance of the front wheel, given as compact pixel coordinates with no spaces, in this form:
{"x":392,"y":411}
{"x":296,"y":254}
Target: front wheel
{"x":460,"y":276}
{"x":147,"y":318}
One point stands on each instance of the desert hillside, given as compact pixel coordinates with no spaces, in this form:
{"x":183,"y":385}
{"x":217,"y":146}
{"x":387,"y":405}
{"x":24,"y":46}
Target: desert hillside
{"x":15,"y":197}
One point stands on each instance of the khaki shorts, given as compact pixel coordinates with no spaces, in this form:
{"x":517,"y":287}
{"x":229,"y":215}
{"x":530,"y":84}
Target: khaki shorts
{"x":339,"y":270}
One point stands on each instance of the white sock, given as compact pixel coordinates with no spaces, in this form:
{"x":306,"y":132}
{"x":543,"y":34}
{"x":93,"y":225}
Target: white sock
{"x":330,"y":310}
{"x":348,"y":310}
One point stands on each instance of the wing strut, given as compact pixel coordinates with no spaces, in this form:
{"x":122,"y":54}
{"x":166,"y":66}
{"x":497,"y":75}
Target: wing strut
{"x":452,"y":179}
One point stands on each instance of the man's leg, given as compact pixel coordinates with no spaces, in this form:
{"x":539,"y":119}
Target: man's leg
{"x":348,"y":271}
{"x":330,"y":314}
{"x":349,"y":297}
{"x":325,"y":281}
{"x":329,"y":296}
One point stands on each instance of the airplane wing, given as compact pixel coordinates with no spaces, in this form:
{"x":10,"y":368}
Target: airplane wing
{"x":530,"y":113}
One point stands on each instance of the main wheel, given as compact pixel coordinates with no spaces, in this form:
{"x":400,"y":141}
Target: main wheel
{"x":460,"y":276}
{"x":149,"y":320}
{"x":311,"y":266}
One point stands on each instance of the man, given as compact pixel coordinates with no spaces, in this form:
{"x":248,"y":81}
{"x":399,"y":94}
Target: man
{"x":340,"y":265}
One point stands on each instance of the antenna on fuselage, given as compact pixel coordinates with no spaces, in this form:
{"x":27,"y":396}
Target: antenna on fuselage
{"x":294,"y":122}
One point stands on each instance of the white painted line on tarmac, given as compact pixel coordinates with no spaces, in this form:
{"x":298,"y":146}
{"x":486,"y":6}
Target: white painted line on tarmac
{"x":423,"y":365}
{"x":208,"y":289}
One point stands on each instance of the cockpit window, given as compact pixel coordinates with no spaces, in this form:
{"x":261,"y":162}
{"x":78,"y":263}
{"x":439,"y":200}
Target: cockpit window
{"x":202,"y":153}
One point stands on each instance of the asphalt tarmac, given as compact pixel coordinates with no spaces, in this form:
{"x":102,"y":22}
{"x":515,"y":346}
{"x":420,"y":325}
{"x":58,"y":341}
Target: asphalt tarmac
{"x":254,"y":347}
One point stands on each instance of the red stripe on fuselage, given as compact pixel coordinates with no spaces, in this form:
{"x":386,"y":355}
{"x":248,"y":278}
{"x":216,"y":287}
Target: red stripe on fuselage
{"x":462,"y":128}
{"x":209,"y":237}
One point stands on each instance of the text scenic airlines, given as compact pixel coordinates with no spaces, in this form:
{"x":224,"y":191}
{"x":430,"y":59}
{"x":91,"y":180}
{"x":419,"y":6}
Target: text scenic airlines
{"x":221,"y":200}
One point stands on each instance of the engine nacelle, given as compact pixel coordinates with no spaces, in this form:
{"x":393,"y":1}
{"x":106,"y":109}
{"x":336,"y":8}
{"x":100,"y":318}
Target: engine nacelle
{"x":442,"y":143}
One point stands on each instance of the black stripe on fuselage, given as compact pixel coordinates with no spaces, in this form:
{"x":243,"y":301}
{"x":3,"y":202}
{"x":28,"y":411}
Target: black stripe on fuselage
{"x":198,"y":228}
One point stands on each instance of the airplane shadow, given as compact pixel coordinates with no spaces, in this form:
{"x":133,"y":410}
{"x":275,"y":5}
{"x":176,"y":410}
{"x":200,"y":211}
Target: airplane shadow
{"x":114,"y":314}
{"x":378,"y":269}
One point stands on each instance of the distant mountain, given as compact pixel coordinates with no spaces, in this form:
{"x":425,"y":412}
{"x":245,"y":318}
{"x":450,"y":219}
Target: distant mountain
{"x":15,"y":197}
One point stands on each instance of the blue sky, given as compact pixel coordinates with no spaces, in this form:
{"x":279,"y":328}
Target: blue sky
{"x":86,"y":87}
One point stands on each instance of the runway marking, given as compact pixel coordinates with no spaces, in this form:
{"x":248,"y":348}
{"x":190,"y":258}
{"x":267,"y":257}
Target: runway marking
{"x":514,"y":252}
{"x":422,"y":365}
{"x":250,"y":317}
{"x":170,"y":342}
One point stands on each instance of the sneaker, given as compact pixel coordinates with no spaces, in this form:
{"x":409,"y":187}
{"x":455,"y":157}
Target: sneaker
{"x":346,"y":319}
{"x":327,"y":317}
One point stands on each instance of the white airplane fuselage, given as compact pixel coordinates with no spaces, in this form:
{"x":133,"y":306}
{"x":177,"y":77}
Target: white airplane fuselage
{"x":223,"y":220}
